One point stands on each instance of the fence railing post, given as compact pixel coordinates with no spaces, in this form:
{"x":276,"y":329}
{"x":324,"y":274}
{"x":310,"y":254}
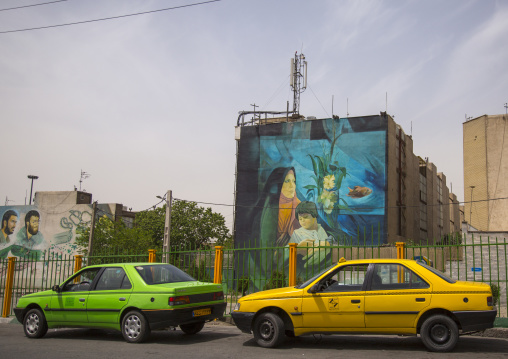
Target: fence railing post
{"x":292,"y":264}
{"x":78,"y":262}
{"x":151,"y":256}
{"x":8,"y":287}
{"x":400,"y":249}
{"x":217,"y":270}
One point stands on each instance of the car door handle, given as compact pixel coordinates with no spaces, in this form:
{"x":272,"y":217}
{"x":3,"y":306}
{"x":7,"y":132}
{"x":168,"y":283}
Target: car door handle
{"x":420,"y":299}
{"x":355,"y":301}
{"x":122,"y":299}
{"x":82,"y":299}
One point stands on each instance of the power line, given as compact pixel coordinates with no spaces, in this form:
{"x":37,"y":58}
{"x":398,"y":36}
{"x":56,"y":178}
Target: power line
{"x":110,"y":18}
{"x":353,"y":208}
{"x":25,"y":6}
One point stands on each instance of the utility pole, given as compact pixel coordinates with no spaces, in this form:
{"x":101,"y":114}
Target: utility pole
{"x":92,"y":229}
{"x":32,"y":177}
{"x":167,"y":227}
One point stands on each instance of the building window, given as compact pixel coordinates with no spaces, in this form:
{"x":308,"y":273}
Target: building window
{"x":440,"y":201}
{"x":423,"y":206}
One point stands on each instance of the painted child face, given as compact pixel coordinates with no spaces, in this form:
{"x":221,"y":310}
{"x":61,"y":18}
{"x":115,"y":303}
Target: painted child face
{"x":289,"y":185}
{"x":307,"y":221}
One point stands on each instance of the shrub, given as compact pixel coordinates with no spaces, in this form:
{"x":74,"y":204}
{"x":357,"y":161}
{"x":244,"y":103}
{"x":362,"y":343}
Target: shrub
{"x":277,"y":280}
{"x":243,"y":285}
{"x":496,"y":293}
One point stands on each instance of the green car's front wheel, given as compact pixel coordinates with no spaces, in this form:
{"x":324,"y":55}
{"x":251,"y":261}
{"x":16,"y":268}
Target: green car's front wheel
{"x":35,"y":324}
{"x":192,"y":328}
{"x":135,"y":328}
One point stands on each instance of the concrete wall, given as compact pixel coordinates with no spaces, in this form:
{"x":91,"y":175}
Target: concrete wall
{"x":484,"y":260}
{"x":497,"y":172}
{"x":475,"y":172}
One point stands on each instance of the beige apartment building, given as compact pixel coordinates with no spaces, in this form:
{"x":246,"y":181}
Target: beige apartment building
{"x":485,"y":173}
{"x":420,"y":206}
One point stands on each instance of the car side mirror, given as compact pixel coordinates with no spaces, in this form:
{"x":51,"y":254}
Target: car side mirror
{"x":314,"y":288}
{"x":55,"y":288}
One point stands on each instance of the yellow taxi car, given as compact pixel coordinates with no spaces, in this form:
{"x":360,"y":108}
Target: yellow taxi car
{"x":376,"y":296}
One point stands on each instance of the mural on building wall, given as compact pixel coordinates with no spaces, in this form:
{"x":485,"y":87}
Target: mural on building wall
{"x":29,"y":231}
{"x":315,"y":183}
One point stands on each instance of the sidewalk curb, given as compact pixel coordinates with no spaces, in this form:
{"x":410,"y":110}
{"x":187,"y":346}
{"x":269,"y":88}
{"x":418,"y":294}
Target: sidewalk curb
{"x":496,"y":332}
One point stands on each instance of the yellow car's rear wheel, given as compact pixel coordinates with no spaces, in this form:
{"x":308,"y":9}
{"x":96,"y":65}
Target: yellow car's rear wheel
{"x":439,"y":333}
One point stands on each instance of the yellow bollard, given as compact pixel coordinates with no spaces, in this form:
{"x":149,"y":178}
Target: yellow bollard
{"x":151,"y":256}
{"x":8,"y":287}
{"x":400,"y":249}
{"x":217,"y":272}
{"x":292,"y":264}
{"x":400,"y":255}
{"x":78,"y":262}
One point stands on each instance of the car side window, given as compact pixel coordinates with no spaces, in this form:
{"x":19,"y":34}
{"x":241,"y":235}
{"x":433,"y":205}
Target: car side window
{"x":81,"y":281}
{"x":346,"y":279}
{"x":113,"y":278}
{"x":395,"y":276}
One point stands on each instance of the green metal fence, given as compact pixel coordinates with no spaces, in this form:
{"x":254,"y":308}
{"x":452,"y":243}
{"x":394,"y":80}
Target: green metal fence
{"x":473,"y":259}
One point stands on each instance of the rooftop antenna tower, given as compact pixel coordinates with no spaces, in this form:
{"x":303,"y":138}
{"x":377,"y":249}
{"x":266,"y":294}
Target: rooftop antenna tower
{"x":84,"y":176}
{"x":298,"y":79}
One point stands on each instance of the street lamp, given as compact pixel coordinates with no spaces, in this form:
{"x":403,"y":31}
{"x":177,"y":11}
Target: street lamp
{"x":32,"y":177}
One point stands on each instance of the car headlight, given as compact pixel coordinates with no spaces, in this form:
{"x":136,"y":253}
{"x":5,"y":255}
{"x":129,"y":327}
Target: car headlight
{"x":237,"y":307}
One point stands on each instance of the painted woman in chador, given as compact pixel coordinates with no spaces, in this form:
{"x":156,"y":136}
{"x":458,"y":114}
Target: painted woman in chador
{"x":277,"y":204}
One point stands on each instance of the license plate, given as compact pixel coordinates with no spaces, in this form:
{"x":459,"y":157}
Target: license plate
{"x":200,"y":312}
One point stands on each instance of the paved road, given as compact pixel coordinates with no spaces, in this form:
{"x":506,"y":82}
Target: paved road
{"x":225,"y":341}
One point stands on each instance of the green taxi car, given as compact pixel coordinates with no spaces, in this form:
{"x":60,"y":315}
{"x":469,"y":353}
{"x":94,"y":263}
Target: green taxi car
{"x":134,"y":298}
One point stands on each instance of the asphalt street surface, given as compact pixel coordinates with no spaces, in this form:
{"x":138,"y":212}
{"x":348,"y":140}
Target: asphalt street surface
{"x":220,"y":340}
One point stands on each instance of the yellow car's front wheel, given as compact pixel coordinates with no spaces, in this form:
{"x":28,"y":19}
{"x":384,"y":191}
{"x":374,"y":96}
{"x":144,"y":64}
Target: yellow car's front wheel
{"x":269,"y":330}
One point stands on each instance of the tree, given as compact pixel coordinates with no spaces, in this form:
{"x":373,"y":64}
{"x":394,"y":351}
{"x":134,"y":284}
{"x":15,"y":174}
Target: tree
{"x":113,"y":235}
{"x":191,"y":227}
{"x":194,"y":227}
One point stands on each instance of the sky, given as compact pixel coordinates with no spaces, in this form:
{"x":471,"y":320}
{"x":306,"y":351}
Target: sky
{"x":149,"y":103}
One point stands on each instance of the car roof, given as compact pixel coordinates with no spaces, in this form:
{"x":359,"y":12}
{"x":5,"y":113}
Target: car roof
{"x":377,"y":260}
{"x":124,"y":264}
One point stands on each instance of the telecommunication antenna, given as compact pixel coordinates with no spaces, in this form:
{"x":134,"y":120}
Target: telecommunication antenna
{"x":84,"y":176}
{"x":298,"y":79}
{"x":506,"y":107}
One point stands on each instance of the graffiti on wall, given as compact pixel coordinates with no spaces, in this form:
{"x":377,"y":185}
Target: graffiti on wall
{"x":314,"y":183}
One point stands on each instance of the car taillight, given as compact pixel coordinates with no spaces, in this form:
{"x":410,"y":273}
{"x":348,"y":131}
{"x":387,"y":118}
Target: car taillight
{"x":218,"y":296}
{"x":490,"y":301}
{"x":184,"y":299}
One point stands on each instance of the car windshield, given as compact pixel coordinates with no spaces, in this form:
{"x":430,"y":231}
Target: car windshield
{"x":162,"y":273}
{"x":438,"y":273}
{"x":303,"y":285}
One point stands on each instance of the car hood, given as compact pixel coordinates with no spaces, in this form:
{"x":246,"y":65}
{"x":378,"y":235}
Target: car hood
{"x":278,"y":293}
{"x":38,"y":294}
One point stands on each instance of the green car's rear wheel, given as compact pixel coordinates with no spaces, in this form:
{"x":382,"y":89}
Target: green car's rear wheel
{"x":135,"y":328}
{"x":34,"y":324}
{"x":192,"y":328}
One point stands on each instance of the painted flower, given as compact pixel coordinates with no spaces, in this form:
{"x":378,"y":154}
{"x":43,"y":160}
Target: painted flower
{"x":328,"y":200}
{"x":329,"y":182}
